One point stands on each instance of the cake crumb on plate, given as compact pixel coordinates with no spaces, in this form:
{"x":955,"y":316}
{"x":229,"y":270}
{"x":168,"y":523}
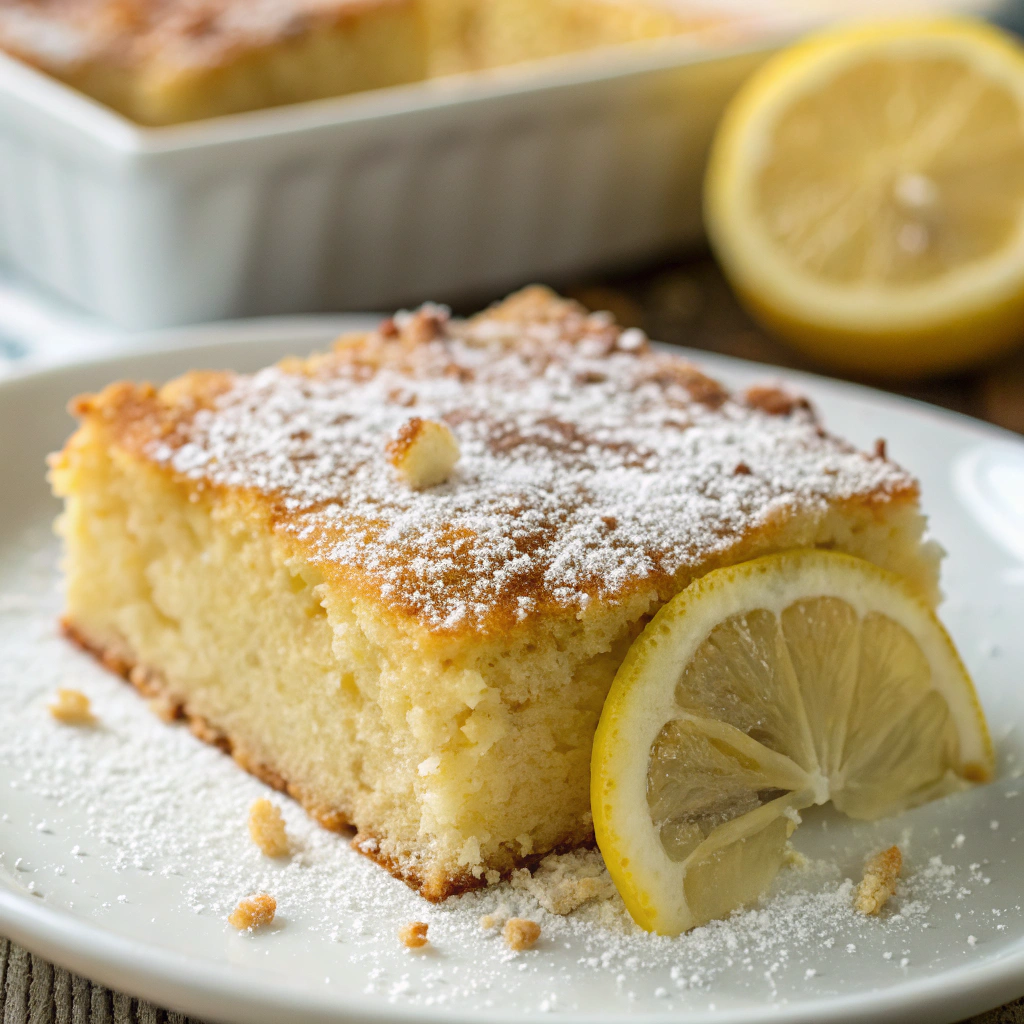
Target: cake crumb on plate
{"x":253,"y":911}
{"x":521,"y":933}
{"x":494,"y":919}
{"x":564,"y":882}
{"x":71,"y":707}
{"x":266,"y":827}
{"x":414,"y":935}
{"x":879,"y":882}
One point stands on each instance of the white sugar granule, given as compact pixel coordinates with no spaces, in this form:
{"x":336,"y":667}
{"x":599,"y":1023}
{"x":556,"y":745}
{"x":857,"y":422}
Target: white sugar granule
{"x":150,"y":802}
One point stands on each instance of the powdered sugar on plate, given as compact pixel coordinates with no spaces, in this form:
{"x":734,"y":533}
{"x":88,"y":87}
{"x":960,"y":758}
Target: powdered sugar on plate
{"x":141,"y":829}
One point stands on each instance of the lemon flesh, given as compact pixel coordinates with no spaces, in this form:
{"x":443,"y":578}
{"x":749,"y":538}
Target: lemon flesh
{"x":758,"y":691}
{"x":865,"y":195}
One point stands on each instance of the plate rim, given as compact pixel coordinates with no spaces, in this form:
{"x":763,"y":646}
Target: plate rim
{"x":223,"y":991}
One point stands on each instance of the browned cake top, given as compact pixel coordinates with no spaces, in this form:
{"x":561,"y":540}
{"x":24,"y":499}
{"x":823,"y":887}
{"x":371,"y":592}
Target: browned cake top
{"x":61,"y":33}
{"x":590,"y":466}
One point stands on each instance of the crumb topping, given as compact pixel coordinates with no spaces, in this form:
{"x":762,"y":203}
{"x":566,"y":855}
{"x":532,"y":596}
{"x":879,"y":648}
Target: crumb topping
{"x":414,"y":935}
{"x":253,"y":912}
{"x":591,"y":467}
{"x":71,"y":707}
{"x":520,"y":933}
{"x":423,"y":452}
{"x":879,"y":882}
{"x":266,"y":827}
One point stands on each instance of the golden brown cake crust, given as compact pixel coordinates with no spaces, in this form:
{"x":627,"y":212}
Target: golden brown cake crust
{"x":591,"y":468}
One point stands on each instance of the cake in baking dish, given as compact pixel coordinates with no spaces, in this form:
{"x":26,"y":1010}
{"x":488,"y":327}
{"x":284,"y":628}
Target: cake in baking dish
{"x":162,"y":62}
{"x":397,"y":579}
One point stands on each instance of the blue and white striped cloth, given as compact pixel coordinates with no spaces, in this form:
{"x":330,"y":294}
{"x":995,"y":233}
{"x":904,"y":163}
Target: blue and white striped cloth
{"x":38,"y":329}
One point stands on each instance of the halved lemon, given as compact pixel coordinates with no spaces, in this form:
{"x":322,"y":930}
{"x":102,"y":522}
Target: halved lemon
{"x":761,"y":689}
{"x":865,"y":195}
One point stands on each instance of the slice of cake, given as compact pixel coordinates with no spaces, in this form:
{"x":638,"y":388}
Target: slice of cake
{"x":397,"y":579}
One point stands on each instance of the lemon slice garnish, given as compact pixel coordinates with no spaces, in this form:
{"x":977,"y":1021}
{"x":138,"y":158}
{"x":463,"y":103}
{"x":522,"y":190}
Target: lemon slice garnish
{"x":761,"y":689}
{"x":865,"y":195}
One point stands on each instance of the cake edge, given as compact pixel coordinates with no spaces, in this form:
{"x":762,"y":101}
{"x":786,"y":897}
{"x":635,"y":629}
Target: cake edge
{"x":152,"y":684}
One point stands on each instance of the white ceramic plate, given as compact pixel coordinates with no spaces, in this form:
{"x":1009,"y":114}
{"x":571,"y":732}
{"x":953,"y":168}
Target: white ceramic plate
{"x":122,"y":846}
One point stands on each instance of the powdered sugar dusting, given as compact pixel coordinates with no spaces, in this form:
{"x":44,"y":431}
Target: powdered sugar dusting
{"x":589,"y":467}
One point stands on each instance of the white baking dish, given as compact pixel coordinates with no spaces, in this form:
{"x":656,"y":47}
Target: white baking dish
{"x":443,"y":189}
